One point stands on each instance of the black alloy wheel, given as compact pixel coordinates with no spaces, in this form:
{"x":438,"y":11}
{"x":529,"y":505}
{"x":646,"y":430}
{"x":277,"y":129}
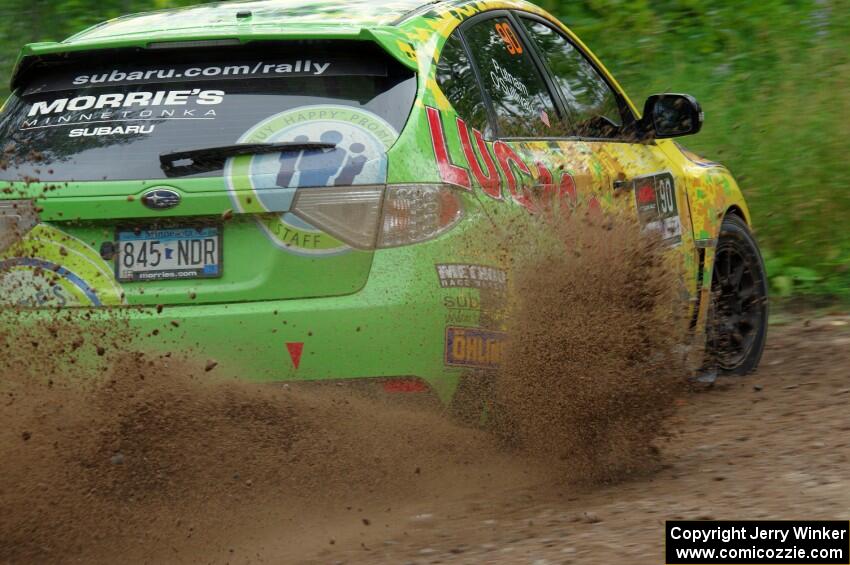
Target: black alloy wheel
{"x":739,"y":307}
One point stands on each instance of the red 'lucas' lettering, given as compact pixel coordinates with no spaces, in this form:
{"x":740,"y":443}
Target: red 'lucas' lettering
{"x":459,"y":176}
{"x":505,"y":155}
{"x":564,"y":191}
{"x":544,"y":180}
{"x":449,"y":172}
{"x":490,"y":182}
{"x":545,"y":183}
{"x":568,"y":187}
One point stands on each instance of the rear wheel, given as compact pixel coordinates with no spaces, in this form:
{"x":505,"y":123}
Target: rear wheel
{"x":737,"y":327}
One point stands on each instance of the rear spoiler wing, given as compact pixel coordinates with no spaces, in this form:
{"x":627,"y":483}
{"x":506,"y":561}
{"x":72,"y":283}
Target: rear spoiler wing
{"x":390,"y":39}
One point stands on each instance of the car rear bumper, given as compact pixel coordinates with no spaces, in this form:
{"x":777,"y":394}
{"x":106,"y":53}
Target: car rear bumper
{"x":398,"y":326}
{"x":389,"y":330}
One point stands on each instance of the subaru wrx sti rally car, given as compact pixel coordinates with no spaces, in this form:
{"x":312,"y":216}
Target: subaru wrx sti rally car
{"x":306,"y":189}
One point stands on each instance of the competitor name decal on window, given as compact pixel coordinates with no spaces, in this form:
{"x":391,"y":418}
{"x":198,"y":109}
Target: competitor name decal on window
{"x":511,"y":87}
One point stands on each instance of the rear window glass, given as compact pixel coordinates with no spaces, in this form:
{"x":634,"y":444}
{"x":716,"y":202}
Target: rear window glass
{"x":88,"y":120}
{"x":457,"y":81}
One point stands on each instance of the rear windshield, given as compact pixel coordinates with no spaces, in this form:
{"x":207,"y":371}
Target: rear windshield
{"x":111,"y":118}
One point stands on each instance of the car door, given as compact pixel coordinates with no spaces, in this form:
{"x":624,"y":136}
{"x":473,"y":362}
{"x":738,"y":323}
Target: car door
{"x":599,"y":118}
{"x":526,"y":118}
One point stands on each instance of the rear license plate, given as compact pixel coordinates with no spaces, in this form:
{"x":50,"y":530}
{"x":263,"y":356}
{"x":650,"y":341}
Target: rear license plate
{"x":166,"y":254}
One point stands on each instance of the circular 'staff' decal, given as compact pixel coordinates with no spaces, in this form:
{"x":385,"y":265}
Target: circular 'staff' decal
{"x":265,"y":185}
{"x":50,"y":268}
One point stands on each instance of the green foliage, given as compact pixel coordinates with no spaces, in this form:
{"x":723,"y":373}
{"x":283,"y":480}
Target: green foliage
{"x":773,"y":77}
{"x":28,"y":21}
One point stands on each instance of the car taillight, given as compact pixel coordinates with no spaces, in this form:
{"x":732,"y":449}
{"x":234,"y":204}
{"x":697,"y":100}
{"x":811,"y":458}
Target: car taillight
{"x":353,"y":214}
{"x":418,"y":212}
{"x":17,"y":217}
{"x":350,"y":214}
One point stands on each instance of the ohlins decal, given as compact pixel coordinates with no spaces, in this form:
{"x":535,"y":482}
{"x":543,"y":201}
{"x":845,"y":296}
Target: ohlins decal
{"x":486,"y":166}
{"x":474,"y":347}
{"x":128,"y":100}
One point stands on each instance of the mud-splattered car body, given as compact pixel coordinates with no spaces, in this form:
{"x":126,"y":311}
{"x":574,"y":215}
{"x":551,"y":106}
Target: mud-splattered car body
{"x":281,"y":287}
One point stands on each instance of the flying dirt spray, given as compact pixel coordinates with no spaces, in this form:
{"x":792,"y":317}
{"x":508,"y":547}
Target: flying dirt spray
{"x":154,"y":454}
{"x":595,"y":359}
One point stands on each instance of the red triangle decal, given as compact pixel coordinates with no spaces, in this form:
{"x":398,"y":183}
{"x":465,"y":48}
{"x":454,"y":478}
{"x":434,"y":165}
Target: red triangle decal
{"x":295,"y":352}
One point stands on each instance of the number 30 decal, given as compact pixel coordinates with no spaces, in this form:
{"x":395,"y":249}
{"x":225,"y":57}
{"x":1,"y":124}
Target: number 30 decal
{"x":509,"y":37}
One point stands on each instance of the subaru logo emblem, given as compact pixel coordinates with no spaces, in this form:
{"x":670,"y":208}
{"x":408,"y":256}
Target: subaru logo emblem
{"x":161,"y":199}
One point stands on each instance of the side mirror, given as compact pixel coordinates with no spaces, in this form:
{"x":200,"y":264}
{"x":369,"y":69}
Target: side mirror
{"x":671,"y":115}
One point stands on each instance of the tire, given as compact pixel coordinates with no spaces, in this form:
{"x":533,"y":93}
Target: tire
{"x":738,"y":314}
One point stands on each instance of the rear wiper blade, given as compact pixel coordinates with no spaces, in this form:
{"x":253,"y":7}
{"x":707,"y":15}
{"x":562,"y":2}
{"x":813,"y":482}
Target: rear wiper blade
{"x":206,"y":159}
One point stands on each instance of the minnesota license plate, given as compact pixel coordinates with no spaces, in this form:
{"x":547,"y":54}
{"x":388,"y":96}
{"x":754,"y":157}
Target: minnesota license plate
{"x":165,"y":254}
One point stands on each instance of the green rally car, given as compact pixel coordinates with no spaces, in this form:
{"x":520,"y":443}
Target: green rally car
{"x":306,"y":189}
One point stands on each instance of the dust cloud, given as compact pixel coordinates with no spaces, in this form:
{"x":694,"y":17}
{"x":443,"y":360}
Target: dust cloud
{"x":156,"y":453}
{"x":595,"y":361}
{"x":139,"y":457}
